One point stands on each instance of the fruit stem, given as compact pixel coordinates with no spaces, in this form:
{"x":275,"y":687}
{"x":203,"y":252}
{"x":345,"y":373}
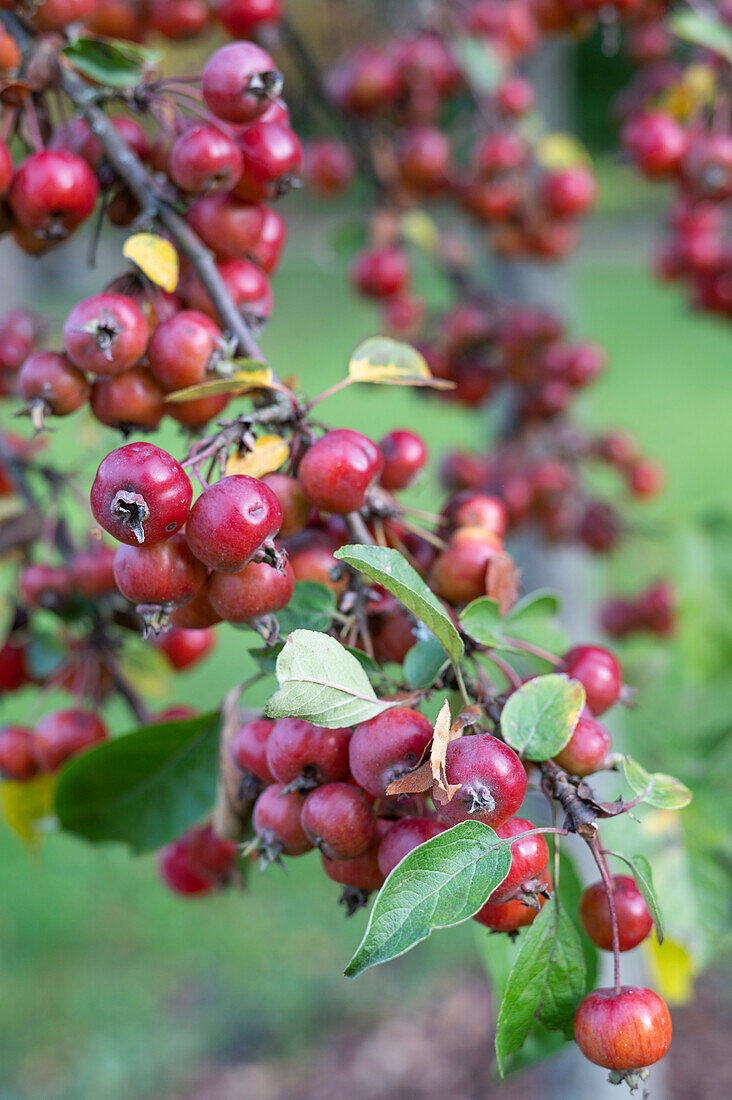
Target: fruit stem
{"x":535,"y":651}
{"x":607,"y":882}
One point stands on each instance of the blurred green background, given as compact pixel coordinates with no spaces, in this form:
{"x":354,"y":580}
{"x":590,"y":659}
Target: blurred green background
{"x":111,"y":987}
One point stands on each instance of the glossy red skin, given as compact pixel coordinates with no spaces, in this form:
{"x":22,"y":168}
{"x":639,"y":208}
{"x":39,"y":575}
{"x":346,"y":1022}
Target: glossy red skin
{"x":174,"y":867}
{"x":570,"y":192}
{"x":248,"y":748}
{"x":392,"y":633}
{"x":127,"y":346}
{"x":338,"y":469}
{"x":148,"y":471}
{"x":599,"y":672}
{"x":501,"y":152}
{"x":54,"y":15}
{"x":296,"y":508}
{"x":181,"y":349}
{"x":511,"y":915}
{"x":276,"y":817}
{"x":6,"y":168}
{"x":297,"y":748}
{"x":231,"y":520}
{"x":44,"y":585}
{"x":387,"y":746}
{"x":267,"y":251}
{"x":199,"y":410}
{"x":242,"y":17}
{"x":246,"y":283}
{"x":361,"y":873}
{"x":487,"y":770}
{"x":226,"y":78}
{"x":271,"y":151}
{"x":459,"y":573}
{"x":17,"y":753}
{"x":586,"y":749}
{"x":329,"y":166}
{"x":707,"y":165}
{"x":424,"y":156}
{"x":381,"y":272}
{"x":623,"y":1031}
{"x":48,"y":376}
{"x":198,"y":614}
{"x":210,"y":853}
{"x":645,"y":479}
{"x":634,"y":920}
{"x":166,"y":573}
{"x":50,"y":188}
{"x":129,"y":130}
{"x":657,"y":143}
{"x":515,"y":96}
{"x":92,"y":572}
{"x":131,"y":399}
{"x":180,"y":19}
{"x":316,"y":563}
{"x":257,"y":590}
{"x":230,"y":227}
{"x":204,"y":158}
{"x":185,"y":648}
{"x":66,"y":733}
{"x":197,"y":862}
{"x":13,"y":670}
{"x":471,"y":509}
{"x":338,"y":819}
{"x":529,"y":857}
{"x":404,"y":454}
{"x":402,"y":838}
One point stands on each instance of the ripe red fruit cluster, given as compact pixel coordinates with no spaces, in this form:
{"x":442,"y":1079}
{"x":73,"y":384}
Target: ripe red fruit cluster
{"x":59,"y":736}
{"x":652,"y":610}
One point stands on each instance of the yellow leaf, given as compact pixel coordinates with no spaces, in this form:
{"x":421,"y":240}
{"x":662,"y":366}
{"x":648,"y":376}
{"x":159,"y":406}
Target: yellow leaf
{"x":241,"y":381}
{"x":156,"y":257}
{"x":386,"y":361}
{"x":694,"y":91}
{"x":26,"y":805}
{"x":147,"y":668}
{"x":269,"y":454}
{"x":673,"y":969}
{"x":418,"y":227}
{"x":559,"y":150}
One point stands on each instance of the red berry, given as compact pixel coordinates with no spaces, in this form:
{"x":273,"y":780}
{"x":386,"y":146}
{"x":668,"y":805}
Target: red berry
{"x":198,"y":614}
{"x":329,"y":166}
{"x":231,"y":228}
{"x":361,"y":874}
{"x":645,"y":478}
{"x":272,"y":152}
{"x":141,"y":494}
{"x":276,"y":821}
{"x":248,"y":748}
{"x":315,"y":562}
{"x":387,"y":747}
{"x":403,"y":837}
{"x":569,"y":192}
{"x":624,"y":1030}
{"x":54,"y":15}
{"x":500,"y":152}
{"x":258,"y":590}
{"x":404,"y":454}
{"x":13,"y":669}
{"x":268,"y":249}
{"x":182,"y":349}
{"x":424,"y":155}
{"x":66,"y":733}
{"x":492,"y":781}
{"x":176,"y":871}
{"x":185,"y":648}
{"x":179,"y":19}
{"x":204,"y":158}
{"x":44,"y":586}
{"x":587,"y":748}
{"x":599,"y":672}
{"x":515,"y":96}
{"x":471,"y":509}
{"x":17,"y":753}
{"x":509,"y":916}
{"x":337,"y":471}
{"x":92,"y":572}
{"x":105,"y":334}
{"x":129,"y":130}
{"x":241,"y":18}
{"x":231,"y":520}
{"x":6,"y":168}
{"x":381,"y":272}
{"x":296,"y":508}
{"x":246,"y":283}
{"x":166,"y":574}
{"x":238,"y":82}
{"x":199,"y":410}
{"x":49,"y":380}
{"x":459,"y":573}
{"x":707,"y":166}
{"x":634,"y":920}
{"x":300,"y":751}
{"x":337,"y":818}
{"x":130,"y":401}
{"x":657,"y":143}
{"x":197,"y":862}
{"x":529,"y":857}
{"x":52,"y":193}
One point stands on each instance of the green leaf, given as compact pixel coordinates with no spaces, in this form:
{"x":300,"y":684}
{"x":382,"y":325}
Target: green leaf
{"x":660,"y":790}
{"x":569,"y":893}
{"x":702,"y":29}
{"x":482,"y":620}
{"x":311,"y":608}
{"x":439,"y":884}
{"x":110,"y":61}
{"x":323,"y":683}
{"x":45,"y":655}
{"x":643,"y":876}
{"x":481,"y":63}
{"x":265,"y":657}
{"x":539,"y":719}
{"x":546,"y":983}
{"x":145,"y":788}
{"x":532,"y":620}
{"x":391,"y":570}
{"x":423,"y":663}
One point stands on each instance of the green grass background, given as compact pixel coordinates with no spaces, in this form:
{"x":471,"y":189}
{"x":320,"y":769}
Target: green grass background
{"x":109,"y":986}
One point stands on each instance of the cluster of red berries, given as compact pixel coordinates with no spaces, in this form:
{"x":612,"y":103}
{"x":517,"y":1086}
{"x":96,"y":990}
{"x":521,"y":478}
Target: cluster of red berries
{"x":652,"y":610}
{"x":59,"y":736}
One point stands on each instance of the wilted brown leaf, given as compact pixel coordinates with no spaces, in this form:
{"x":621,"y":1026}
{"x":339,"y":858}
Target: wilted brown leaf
{"x":501,"y":581}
